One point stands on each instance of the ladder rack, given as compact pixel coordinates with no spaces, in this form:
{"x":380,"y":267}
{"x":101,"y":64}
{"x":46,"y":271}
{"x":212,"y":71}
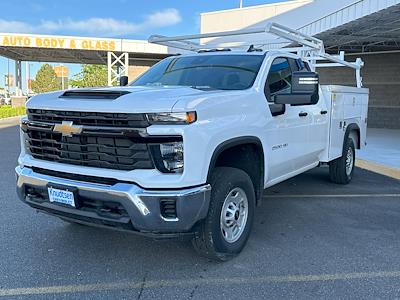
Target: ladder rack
{"x":311,"y":49}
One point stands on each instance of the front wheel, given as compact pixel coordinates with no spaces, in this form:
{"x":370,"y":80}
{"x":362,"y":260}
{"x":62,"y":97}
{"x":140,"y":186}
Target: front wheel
{"x":341,"y":169}
{"x":224,"y":233}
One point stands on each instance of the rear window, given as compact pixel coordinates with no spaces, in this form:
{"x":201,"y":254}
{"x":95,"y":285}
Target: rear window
{"x":221,"y":72}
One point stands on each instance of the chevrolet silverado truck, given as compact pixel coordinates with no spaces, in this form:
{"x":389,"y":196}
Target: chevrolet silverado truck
{"x":188,"y":148}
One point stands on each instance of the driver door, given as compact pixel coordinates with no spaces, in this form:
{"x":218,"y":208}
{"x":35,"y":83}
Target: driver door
{"x":287,"y":129}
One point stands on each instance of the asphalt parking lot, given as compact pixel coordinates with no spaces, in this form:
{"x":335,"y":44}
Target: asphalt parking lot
{"x":311,"y":239}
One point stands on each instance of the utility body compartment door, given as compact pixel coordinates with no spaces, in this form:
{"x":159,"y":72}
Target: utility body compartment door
{"x":337,"y":128}
{"x":347,"y":105}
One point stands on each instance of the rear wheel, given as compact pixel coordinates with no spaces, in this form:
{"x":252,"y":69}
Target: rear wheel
{"x":224,"y":233}
{"x":341,"y":169}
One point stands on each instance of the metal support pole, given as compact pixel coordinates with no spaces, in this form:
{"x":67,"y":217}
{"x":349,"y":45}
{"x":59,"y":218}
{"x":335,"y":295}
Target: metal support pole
{"x":109,"y":69}
{"x":117,"y":65}
{"x":126,"y":64}
{"x":8,"y":77}
{"x":27,"y":77}
{"x":18,"y":78}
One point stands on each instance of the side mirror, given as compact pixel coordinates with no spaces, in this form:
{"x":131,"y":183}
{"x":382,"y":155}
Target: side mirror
{"x":123,"y":81}
{"x":305,"y":86}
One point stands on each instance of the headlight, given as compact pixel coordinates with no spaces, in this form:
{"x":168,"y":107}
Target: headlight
{"x":180,"y":118}
{"x":168,"y":157}
{"x":172,"y":156}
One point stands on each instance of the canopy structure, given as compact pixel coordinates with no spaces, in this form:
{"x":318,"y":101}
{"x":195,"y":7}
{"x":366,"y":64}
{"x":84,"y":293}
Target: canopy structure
{"x":118,"y":54}
{"x":344,"y":25}
{"x":374,"y":29}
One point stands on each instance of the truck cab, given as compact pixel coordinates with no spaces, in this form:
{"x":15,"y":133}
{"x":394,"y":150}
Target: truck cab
{"x":188,"y":148}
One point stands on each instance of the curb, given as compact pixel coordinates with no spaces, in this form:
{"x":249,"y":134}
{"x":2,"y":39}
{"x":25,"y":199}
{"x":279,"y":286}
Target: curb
{"x":8,"y":122}
{"x":378,"y":168}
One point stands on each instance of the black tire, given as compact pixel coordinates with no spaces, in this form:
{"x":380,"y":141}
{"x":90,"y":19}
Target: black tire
{"x":338,"y":171}
{"x":209,"y":240}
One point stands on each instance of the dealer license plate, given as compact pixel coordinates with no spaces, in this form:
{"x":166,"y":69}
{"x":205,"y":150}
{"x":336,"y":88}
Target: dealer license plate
{"x":61,"y":196}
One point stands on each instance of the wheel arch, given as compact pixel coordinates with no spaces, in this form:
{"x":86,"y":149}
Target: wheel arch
{"x":222,"y":156}
{"x":353,"y":131}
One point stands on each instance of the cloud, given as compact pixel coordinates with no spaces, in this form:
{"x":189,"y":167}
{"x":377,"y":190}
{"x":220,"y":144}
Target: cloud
{"x":96,"y":26}
{"x":14,"y":26}
{"x":163,"y":18}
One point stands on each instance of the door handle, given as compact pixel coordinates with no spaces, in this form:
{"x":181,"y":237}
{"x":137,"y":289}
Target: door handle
{"x":303,"y":114}
{"x":324,"y":112}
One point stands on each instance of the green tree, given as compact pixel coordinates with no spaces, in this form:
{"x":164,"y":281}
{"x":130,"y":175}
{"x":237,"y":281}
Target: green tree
{"x":90,"y":76}
{"x":46,"y":80}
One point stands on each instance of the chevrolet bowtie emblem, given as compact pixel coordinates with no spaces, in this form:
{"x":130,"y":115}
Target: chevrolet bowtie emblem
{"x":67,"y":128}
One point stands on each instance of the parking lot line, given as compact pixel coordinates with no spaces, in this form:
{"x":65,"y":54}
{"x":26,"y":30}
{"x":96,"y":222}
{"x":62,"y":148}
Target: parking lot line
{"x":80,"y":288}
{"x":333,"y":196}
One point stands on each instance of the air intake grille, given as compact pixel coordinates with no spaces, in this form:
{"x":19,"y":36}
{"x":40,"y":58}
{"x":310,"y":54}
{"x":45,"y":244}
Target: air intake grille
{"x":93,"y":94}
{"x":89,"y":118}
{"x":168,"y":208}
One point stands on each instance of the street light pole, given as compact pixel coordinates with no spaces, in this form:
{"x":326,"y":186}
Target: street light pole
{"x":241,"y":4}
{"x":27,"y":77}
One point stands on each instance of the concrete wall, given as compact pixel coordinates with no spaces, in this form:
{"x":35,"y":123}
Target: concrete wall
{"x":381,"y":74}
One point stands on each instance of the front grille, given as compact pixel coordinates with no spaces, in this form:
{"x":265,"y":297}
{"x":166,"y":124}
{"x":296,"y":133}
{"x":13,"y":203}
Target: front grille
{"x":89,"y":118}
{"x":119,"y":153}
{"x":106,"y":209}
{"x":111,"y":214}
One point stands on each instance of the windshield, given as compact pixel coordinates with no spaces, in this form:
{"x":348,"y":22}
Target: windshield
{"x":221,"y":72}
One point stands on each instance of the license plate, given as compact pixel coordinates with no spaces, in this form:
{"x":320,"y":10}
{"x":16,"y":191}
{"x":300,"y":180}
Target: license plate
{"x":61,"y":196}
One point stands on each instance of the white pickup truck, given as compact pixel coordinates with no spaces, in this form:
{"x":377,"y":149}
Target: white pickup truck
{"x":188,"y":148}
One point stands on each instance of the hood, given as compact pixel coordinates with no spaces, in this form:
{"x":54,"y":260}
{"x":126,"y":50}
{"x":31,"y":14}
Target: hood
{"x":125,"y":99}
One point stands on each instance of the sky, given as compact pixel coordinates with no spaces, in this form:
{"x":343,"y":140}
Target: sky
{"x":112,"y":18}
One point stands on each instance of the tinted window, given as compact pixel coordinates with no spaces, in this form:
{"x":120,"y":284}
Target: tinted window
{"x":298,"y":65}
{"x":279,"y":79}
{"x":222,"y":72}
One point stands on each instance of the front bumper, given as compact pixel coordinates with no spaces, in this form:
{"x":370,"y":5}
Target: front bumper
{"x":123,"y":206}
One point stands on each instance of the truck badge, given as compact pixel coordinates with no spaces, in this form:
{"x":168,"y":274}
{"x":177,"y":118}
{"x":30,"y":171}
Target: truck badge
{"x":67,"y":128}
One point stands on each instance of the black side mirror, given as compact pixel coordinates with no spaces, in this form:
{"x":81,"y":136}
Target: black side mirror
{"x":305,"y":86}
{"x":123,"y":81}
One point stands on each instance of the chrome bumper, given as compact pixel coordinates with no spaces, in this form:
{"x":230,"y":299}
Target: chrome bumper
{"x":142,"y":206}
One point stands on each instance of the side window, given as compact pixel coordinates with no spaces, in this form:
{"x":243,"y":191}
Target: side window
{"x":307,"y":66}
{"x":279,"y":79}
{"x":278,"y":82}
{"x":298,"y":65}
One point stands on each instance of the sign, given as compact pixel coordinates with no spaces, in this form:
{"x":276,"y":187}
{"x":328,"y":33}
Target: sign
{"x":61,"y":71}
{"x":9,"y":80}
{"x":55,"y":42}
